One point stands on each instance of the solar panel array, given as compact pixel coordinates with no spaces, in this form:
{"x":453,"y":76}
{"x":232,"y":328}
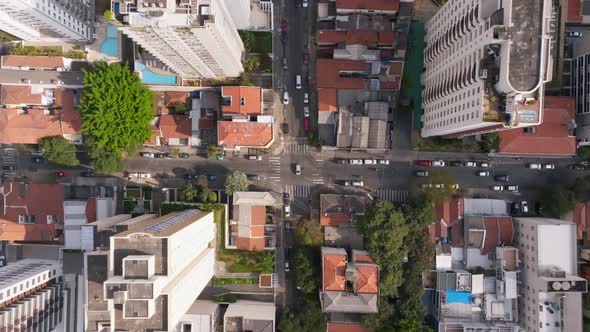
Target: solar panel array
{"x":172,"y":221}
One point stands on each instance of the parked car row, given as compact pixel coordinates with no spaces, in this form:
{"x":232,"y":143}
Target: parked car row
{"x":354,"y":183}
{"x":540,"y":166}
{"x":183,"y":155}
{"x":509,"y":187}
{"x":453,"y":163}
{"x":439,"y":186}
{"x":362,"y":162}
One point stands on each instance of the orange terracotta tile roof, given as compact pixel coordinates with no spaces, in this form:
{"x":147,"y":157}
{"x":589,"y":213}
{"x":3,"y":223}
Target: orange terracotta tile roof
{"x":552,"y":137}
{"x":328,"y":74}
{"x":173,"y":97}
{"x":256,"y":231}
{"x":70,"y":117}
{"x":581,"y":217}
{"x":367,"y":281}
{"x":355,"y":37}
{"x":15,"y":232}
{"x":206,"y":123}
{"x":253,"y":134}
{"x":258,"y":215}
{"x":368,"y":4}
{"x":335,"y":219}
{"x":40,"y":62}
{"x":245,"y":243}
{"x":574,"y":11}
{"x":175,"y":126}
{"x":334,"y":272}
{"x":153,"y":140}
{"x":346,"y":327}
{"x":27,"y":128}
{"x":327,"y":100}
{"x":244,"y":100}
{"x":363,"y":258}
{"x":19,"y":94}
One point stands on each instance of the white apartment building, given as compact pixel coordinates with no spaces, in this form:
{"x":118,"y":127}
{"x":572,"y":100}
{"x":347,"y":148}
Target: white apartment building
{"x":48,"y":20}
{"x":580,"y":87}
{"x":240,"y":12}
{"x":196,"y":38}
{"x":550,"y":291}
{"x":151,"y":274}
{"x":486,"y":62}
{"x":32,"y":296}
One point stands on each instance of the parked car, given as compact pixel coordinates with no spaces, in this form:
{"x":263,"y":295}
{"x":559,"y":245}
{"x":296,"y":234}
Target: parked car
{"x":253,"y":157}
{"x":341,"y":161}
{"x":306,"y":124}
{"x":497,"y":188}
{"x":306,"y":57}
{"x":511,"y":187}
{"x":454,"y":186}
{"x":285,"y":64}
{"x":470,"y":164}
{"x":484,"y":164}
{"x":286,"y":198}
{"x":573,"y":34}
{"x":538,"y":208}
{"x":358,"y":183}
{"x":285,"y":98}
{"x":355,"y":161}
{"x":577,"y":167}
{"x":515,"y":207}
{"x":162,"y":155}
{"x":297,"y":169}
{"x":183,"y":155}
{"x":548,"y":166}
{"x":383,"y":162}
{"x":502,"y":178}
{"x":306,"y":98}
{"x":286,"y":266}
{"x":87,"y":174}
{"x":36,"y":159}
{"x":534,"y":166}
{"x":524,"y":207}
{"x":370,"y":162}
{"x":253,"y":177}
{"x":287,"y":208}
{"x":483,"y":173}
{"x":298,"y":82}
{"x":304,"y":3}
{"x":9,"y":168}
{"x":456,"y":163}
{"x":306,"y":111}
{"x":439,"y":186}
{"x":190,"y":176}
{"x":211,"y":177}
{"x":424,"y":162}
{"x":141,"y":175}
{"x":345,"y":183}
{"x":421,"y":173}
{"x":147,"y":154}
{"x":60,"y":174}
{"x":438,"y":163}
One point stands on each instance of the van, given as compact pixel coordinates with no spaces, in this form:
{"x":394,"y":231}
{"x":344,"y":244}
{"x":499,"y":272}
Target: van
{"x":297,"y":169}
{"x":298,"y":82}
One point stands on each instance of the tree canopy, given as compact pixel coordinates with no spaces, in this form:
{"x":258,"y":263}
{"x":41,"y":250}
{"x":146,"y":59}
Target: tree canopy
{"x":59,"y":151}
{"x":236,"y":181}
{"x":306,"y":274}
{"x":309,"y":233}
{"x":116,"y":111}
{"x":308,"y":318}
{"x":557,"y":200}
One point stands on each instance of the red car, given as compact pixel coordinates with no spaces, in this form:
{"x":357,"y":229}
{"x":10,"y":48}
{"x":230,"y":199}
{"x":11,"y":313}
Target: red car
{"x":60,"y":174}
{"x":283,"y":25}
{"x":424,"y":162}
{"x":306,"y":124}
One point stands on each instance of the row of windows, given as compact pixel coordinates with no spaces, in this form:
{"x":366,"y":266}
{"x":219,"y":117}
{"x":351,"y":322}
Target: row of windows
{"x":17,"y":289}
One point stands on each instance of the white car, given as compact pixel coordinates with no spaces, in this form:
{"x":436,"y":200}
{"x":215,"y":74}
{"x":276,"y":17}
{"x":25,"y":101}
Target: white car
{"x":470,"y":164}
{"x":524,"y":206}
{"x":297,"y":169}
{"x":298,"y":82}
{"x":304,"y":3}
{"x":358,"y":183}
{"x":147,"y":154}
{"x":438,"y":163}
{"x":355,"y":161}
{"x":483,"y":173}
{"x":497,"y":188}
{"x":285,"y":98}
{"x":346,"y":183}
{"x":287,"y":210}
{"x":439,"y":186}
{"x":511,"y":187}
{"x":426,"y":186}
{"x":383,"y":162}
{"x":370,"y":162}
{"x":140,"y":175}
{"x":306,"y":98}
{"x":534,"y":166}
{"x":287,"y":266}
{"x":306,"y":111}
{"x":484,"y":164}
{"x":548,"y":166}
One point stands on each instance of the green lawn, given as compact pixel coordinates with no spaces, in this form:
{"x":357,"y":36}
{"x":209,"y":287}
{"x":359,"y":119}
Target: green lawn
{"x":238,"y":261}
{"x":234,"y":281}
{"x":257,"y":41}
{"x":437,"y":144}
{"x":411,"y":88}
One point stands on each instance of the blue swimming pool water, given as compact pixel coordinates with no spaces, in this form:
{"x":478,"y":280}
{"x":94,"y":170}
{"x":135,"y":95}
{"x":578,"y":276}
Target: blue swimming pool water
{"x":458,"y":297}
{"x":109,"y":46}
{"x":149,"y":77}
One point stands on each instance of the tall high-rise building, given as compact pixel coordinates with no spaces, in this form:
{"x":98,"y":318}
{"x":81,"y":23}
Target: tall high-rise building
{"x":486,"y":63}
{"x":240,"y":12}
{"x":195,"y":38}
{"x":151,"y":274}
{"x":550,"y":290}
{"x":47,"y":20}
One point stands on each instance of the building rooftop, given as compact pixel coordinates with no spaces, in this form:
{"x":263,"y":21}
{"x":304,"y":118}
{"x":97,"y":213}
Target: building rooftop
{"x":253,"y":197}
{"x":487,"y":233}
{"x":165,"y":225}
{"x":245,"y":100}
{"x":331,"y":73}
{"x":368,"y":4}
{"x":354,"y":37}
{"x":554,"y":136}
{"x":24,"y":269}
{"x":346,"y":327}
{"x":341,"y":209}
{"x":446,"y":215}
{"x":251,"y":134}
{"x":327,"y":100}
{"x":574,"y":11}
{"x":250,"y":316}
{"x":334,"y":268}
{"x":175,"y":126}
{"x":33,"y":62}
{"x":24,"y":94}
{"x":581,"y":217}
{"x":249,"y":219}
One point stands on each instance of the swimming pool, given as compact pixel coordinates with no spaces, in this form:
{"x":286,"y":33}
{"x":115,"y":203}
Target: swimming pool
{"x":458,"y":297}
{"x":109,"y":46}
{"x":149,"y":77}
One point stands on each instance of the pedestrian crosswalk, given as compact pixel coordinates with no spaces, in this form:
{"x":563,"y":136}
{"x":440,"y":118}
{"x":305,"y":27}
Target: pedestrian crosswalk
{"x":296,"y":148}
{"x":275,"y":168}
{"x":392,"y":195}
{"x":318,"y":166}
{"x":298,"y":191}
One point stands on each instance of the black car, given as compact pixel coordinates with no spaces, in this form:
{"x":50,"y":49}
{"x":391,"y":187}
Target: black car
{"x":190,"y":176}
{"x":285,"y":128}
{"x":87,"y":174}
{"x":502,"y":178}
{"x":455,"y":163}
{"x":538,"y":208}
{"x":342,"y":161}
{"x":183,"y":155}
{"x":285,"y":198}
{"x":9,"y":168}
{"x":161,"y":155}
{"x":36,"y":159}
{"x":253,"y":177}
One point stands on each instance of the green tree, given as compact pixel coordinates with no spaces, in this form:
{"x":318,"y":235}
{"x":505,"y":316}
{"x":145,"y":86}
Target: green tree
{"x":108,"y":15}
{"x":306,"y":276}
{"x":251,"y":64}
{"x":104,"y":161}
{"x":204,"y":194}
{"x":581,"y":189}
{"x":236,"y":181}
{"x":557,"y":200}
{"x":188,"y":193}
{"x":180,"y":108}
{"x":212,"y":197}
{"x":211,"y":151}
{"x":309,"y":233}
{"x":584,"y":152}
{"x":116,"y":111}
{"x":308,"y":318}
{"x":59,"y":151}
{"x":249,"y":40}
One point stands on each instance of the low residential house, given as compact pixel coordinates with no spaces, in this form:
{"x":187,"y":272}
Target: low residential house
{"x":248,"y":227}
{"x":446,"y":214}
{"x":334,"y":326}
{"x":25,"y":62}
{"x":241,"y":100}
{"x":339,"y":215}
{"x":349,"y":286}
{"x":31,"y":212}
{"x":29,"y":114}
{"x":249,"y":316}
{"x":555,"y":137}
